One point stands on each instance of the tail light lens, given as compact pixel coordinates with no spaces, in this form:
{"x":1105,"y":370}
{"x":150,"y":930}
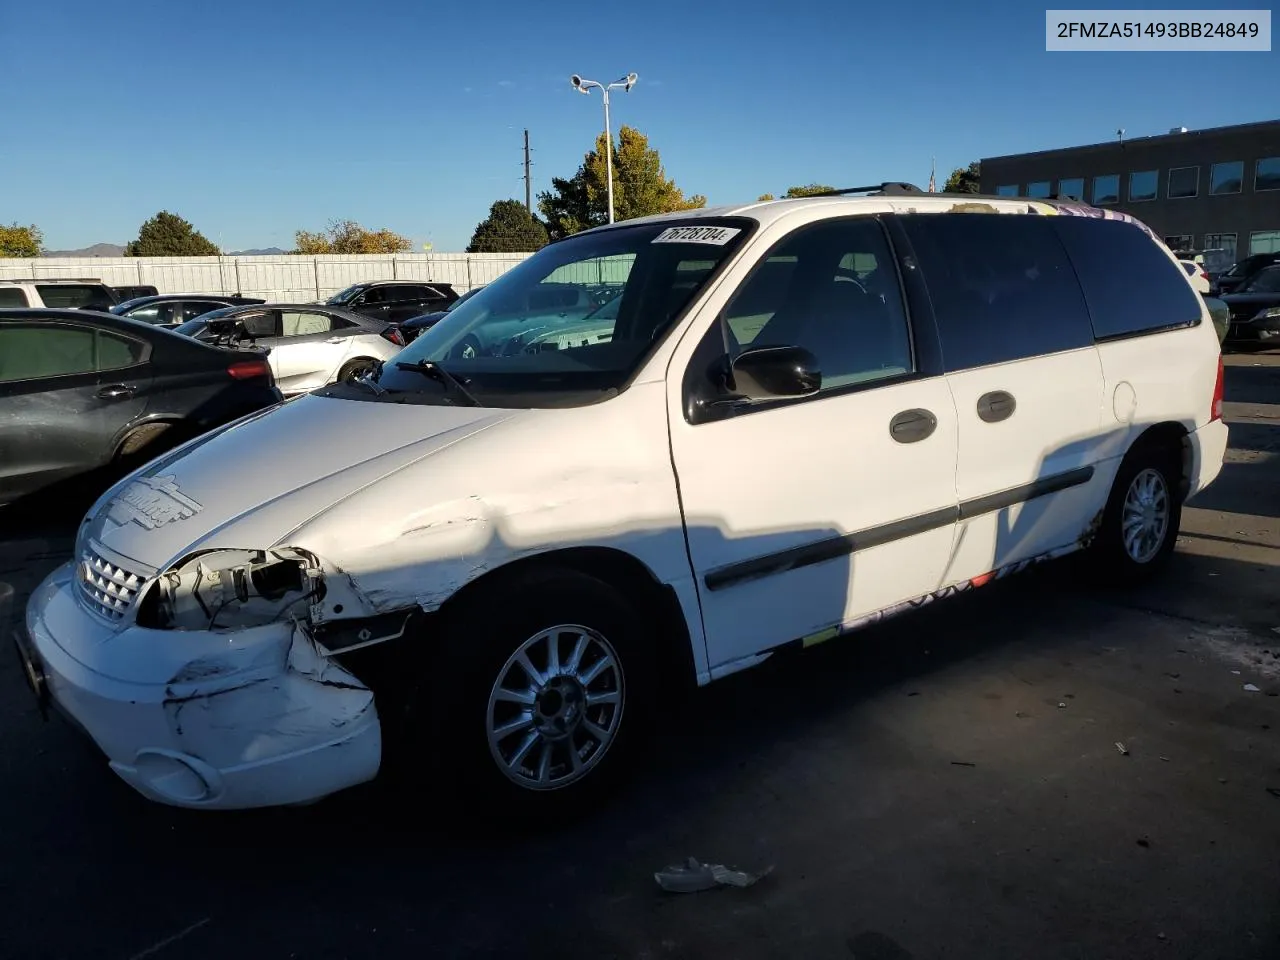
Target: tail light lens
{"x":1218,"y":393}
{"x":394,"y":335}
{"x":249,"y":369}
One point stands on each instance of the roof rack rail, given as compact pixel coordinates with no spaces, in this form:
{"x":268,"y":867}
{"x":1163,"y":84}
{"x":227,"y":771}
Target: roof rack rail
{"x":50,"y":279}
{"x":888,"y":188}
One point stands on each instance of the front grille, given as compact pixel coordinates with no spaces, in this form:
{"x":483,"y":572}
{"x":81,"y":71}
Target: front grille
{"x":106,"y":589}
{"x":1241,"y":314}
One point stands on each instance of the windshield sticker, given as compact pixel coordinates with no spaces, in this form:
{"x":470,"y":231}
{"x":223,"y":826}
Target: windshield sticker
{"x":717,"y":236}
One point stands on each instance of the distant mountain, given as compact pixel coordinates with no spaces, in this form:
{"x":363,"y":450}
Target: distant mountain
{"x":268,"y":252}
{"x":97,"y":250}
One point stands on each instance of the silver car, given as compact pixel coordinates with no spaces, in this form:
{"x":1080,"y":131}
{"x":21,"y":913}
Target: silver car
{"x":308,"y":345}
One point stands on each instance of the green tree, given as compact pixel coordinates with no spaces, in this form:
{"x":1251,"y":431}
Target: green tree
{"x":963,"y":179}
{"x":347,"y":236}
{"x":18,"y":241}
{"x":168,"y":235}
{"x":509,"y":228}
{"x":640,"y":188}
{"x":808,"y":190}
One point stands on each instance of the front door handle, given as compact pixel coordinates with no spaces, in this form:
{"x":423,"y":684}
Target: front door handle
{"x":996,"y":406}
{"x":911,"y":426}
{"x":115,"y":391}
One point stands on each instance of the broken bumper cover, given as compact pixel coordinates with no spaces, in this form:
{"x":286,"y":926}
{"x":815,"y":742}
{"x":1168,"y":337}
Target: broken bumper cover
{"x":269,"y":722}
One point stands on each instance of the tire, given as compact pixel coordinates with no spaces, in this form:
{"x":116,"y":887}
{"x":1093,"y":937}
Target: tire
{"x":354,"y":369}
{"x":603,"y":652}
{"x":146,"y":443}
{"x":1146,"y":489}
{"x":468,"y":349}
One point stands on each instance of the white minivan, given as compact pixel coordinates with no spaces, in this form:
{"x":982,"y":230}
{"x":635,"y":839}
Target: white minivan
{"x":486,"y":567}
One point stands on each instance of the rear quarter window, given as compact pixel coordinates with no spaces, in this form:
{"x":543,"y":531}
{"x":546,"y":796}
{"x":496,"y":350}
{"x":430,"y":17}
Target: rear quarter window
{"x":74,"y":295}
{"x":12,"y":297}
{"x":1130,"y":284}
{"x":1001,"y":285}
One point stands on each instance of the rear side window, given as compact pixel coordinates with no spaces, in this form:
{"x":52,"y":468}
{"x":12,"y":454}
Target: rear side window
{"x":12,"y":297}
{"x":304,"y":324}
{"x":38,"y":352}
{"x":1001,"y":285}
{"x":74,"y":295}
{"x":1130,"y":284}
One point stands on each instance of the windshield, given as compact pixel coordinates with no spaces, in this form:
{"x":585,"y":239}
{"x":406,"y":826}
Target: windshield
{"x":569,"y":325}
{"x":1268,"y":281}
{"x":342,"y":296}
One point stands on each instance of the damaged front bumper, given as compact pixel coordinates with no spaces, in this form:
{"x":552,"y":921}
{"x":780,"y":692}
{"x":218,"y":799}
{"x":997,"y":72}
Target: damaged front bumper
{"x":217,"y":720}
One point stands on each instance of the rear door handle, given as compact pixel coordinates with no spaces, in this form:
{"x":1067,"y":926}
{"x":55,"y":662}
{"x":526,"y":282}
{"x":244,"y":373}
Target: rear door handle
{"x":996,"y":406}
{"x":911,"y":426}
{"x":334,"y":340}
{"x":115,"y":391}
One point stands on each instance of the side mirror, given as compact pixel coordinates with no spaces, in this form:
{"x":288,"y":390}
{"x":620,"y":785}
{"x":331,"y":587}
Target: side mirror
{"x":1221,"y":315}
{"x":771,"y":373}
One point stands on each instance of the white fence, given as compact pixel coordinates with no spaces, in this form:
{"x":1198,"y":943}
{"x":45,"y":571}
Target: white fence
{"x":280,"y":278}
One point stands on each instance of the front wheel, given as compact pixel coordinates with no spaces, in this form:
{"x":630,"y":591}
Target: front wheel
{"x":544,"y":690}
{"x":1141,"y":519}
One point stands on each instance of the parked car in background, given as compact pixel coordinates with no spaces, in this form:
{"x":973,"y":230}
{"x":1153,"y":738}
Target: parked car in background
{"x":132,"y":293}
{"x":1242,"y":271}
{"x":171,"y":309}
{"x":514,"y":316}
{"x":308,"y":345}
{"x":1255,"y":308}
{"x":1198,"y":276}
{"x":394,"y":300}
{"x":80,"y":390}
{"x":84,"y":293}
{"x":414,"y":326}
{"x":511,"y":562}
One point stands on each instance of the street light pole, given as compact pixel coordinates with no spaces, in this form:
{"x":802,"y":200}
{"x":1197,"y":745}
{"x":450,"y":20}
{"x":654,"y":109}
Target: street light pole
{"x":584,"y":86}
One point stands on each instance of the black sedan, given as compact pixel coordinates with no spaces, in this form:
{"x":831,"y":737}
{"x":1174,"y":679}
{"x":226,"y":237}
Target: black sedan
{"x":1255,"y":309}
{"x":82,"y":390}
{"x":1241,"y":272}
{"x":171,"y":309}
{"x":415,"y":326}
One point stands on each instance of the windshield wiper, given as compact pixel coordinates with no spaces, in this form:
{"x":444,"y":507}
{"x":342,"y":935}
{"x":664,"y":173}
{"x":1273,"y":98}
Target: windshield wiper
{"x":452,"y":385}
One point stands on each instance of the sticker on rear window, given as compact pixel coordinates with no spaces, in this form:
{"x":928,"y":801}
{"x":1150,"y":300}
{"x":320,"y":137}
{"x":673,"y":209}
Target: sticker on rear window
{"x":718,"y":236}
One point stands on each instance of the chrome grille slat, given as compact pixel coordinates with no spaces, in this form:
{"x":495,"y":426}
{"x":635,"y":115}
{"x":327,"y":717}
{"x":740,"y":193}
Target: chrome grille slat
{"x":107,"y":589}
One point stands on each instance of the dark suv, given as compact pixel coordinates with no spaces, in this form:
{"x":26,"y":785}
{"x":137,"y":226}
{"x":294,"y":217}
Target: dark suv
{"x":1241,"y":272}
{"x":394,"y":300}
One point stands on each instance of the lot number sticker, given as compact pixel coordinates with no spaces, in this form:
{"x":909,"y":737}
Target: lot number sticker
{"x":718,"y":236}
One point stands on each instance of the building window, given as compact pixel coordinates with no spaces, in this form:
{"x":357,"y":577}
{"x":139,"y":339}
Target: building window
{"x":1073,"y":188}
{"x":1266,"y":175}
{"x":1226,"y":242}
{"x":1264,"y":241}
{"x":1106,"y":189}
{"x":1142,"y":185}
{"x":1226,"y":177}
{"x":1039,"y":189}
{"x":1007,"y":190}
{"x":1180,"y":243}
{"x":1184,"y":182}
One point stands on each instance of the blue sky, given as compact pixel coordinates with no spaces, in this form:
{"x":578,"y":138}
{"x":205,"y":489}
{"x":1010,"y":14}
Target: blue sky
{"x":256,"y":119}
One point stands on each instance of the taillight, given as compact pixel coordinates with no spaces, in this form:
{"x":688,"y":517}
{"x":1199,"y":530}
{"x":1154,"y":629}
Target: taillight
{"x":1204,"y":273}
{"x":394,"y":335}
{"x":248,"y":369}
{"x":1218,"y":393}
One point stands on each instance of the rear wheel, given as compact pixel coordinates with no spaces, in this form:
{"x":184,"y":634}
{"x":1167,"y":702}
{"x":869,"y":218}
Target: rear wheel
{"x":542,"y":694}
{"x":357,"y":369}
{"x":1141,"y":519}
{"x":468,"y":349}
{"x":147,"y":442}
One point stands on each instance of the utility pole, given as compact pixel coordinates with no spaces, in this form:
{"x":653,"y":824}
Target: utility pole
{"x":528,"y":184}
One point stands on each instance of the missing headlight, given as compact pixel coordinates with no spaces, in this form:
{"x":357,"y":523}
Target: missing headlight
{"x":233,"y":589}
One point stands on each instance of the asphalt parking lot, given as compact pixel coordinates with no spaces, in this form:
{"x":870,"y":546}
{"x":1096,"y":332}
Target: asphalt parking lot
{"x":948,"y":784}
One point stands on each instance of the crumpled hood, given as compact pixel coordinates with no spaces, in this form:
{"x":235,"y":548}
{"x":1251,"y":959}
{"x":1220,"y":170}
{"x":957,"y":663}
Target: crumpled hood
{"x":251,"y":485}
